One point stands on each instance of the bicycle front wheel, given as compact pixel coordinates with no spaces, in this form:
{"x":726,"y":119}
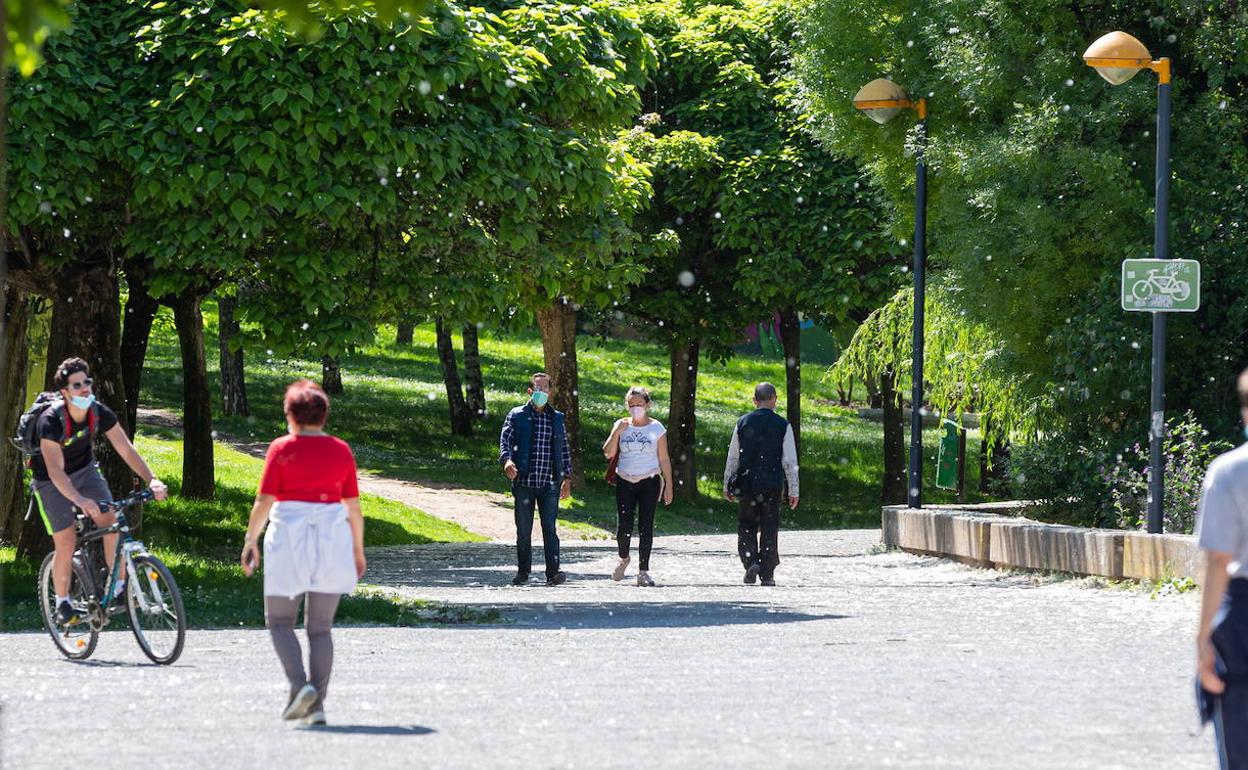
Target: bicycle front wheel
{"x":156,"y":614}
{"x":76,"y":640}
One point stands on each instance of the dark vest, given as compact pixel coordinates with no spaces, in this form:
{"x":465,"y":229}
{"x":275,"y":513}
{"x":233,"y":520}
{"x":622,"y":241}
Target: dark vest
{"x":760,"y":440}
{"x":522,"y":439}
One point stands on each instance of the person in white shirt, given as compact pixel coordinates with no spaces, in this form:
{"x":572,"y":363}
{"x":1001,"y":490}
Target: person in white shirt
{"x":762,"y":459}
{"x":643,"y":471}
{"x":1222,"y":636}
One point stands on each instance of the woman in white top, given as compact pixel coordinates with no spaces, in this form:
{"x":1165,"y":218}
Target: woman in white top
{"x":642,"y":471}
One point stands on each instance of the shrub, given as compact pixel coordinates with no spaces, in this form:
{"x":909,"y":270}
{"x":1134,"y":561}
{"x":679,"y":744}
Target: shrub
{"x":1187,"y":451}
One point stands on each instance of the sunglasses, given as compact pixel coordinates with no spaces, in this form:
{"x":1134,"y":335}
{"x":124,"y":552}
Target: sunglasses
{"x":80,"y":385}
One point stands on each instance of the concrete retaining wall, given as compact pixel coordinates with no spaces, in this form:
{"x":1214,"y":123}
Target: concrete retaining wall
{"x":989,"y":535}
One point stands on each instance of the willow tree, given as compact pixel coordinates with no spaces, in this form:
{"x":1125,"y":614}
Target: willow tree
{"x":965,"y":369}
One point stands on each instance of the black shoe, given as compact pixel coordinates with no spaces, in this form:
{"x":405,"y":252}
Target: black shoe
{"x":556,"y":579}
{"x":67,"y":614}
{"x":521,"y":578}
{"x":768,"y":581}
{"x":119,"y":601}
{"x":751,"y":574}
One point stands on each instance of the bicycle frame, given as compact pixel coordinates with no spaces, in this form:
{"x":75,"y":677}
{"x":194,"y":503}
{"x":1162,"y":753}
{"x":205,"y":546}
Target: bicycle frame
{"x":127,"y":548}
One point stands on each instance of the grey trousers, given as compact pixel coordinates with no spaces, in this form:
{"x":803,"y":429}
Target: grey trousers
{"x":318,"y":619}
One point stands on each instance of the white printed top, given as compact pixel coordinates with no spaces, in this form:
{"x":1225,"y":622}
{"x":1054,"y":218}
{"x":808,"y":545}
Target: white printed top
{"x":639,"y":451}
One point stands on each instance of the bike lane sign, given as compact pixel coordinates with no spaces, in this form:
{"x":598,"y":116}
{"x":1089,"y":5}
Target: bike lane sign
{"x":1161,"y":285}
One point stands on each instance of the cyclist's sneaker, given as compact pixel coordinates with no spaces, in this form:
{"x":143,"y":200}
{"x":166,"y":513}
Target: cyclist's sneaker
{"x":300,"y":703}
{"x":315,"y":718}
{"x":119,"y":598}
{"x":67,"y":613}
{"x":644,"y":579}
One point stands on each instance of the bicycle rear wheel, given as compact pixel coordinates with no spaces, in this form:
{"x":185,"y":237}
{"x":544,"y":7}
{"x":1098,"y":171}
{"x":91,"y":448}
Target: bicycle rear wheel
{"x":156,"y":614}
{"x":76,"y":641}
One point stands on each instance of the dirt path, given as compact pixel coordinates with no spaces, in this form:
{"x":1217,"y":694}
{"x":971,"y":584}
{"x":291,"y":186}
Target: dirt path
{"x":486,"y":513}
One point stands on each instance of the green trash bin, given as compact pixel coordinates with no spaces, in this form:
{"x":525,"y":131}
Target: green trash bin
{"x":947,"y":459}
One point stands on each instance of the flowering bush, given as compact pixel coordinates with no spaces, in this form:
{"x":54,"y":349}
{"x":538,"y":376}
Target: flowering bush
{"x":1187,"y":451}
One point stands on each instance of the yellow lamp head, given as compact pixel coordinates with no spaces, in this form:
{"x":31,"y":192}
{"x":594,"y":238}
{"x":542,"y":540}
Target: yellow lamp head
{"x":1117,"y":57}
{"x":881,"y":100}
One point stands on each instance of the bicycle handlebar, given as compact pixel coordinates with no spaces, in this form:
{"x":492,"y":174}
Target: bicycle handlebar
{"x":141,"y":496}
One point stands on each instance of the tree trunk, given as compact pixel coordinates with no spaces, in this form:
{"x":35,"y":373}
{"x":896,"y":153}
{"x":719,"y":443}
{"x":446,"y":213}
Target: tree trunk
{"x":474,"y":380}
{"x":233,"y":381}
{"x":141,"y":309}
{"x":894,"y":487}
{"x":461,"y":418}
{"x":13,"y":500}
{"x":403,"y":333}
{"x":874,"y":400}
{"x":682,"y":418}
{"x":86,"y":322}
{"x":331,"y":376}
{"x":558,"y":325}
{"x":791,"y":341}
{"x":198,"y":480}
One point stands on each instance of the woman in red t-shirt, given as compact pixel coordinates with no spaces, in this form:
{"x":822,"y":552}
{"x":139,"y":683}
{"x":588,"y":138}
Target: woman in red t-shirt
{"x":314,"y":544}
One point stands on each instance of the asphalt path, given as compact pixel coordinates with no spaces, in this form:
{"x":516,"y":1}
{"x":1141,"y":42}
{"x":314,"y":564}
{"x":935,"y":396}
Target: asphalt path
{"x":856,"y":658}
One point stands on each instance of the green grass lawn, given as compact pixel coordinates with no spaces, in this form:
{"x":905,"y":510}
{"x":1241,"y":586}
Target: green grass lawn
{"x":200,"y":542}
{"x":394,"y":414}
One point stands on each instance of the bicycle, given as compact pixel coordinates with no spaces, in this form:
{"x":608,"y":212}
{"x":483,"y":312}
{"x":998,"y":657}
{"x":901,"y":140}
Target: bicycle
{"x":1161,"y":284}
{"x":153,"y":601}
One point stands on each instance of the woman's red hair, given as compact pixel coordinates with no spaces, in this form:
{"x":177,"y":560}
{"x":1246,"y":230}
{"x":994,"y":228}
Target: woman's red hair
{"x":306,"y":402}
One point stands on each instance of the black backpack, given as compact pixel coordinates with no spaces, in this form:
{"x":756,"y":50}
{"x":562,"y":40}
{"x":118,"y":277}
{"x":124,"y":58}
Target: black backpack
{"x":27,"y":438}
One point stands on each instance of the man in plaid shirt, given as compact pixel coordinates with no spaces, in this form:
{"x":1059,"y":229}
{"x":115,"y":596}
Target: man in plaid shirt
{"x":533,"y":448}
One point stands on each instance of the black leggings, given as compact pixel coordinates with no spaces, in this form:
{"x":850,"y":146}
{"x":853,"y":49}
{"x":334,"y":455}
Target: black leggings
{"x":644,"y":497}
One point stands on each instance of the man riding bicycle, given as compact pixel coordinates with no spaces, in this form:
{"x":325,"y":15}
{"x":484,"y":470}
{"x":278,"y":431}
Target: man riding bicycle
{"x":68,"y":478}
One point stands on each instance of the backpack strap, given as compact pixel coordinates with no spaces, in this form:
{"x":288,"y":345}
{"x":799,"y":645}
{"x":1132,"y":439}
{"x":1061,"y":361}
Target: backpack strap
{"x":91,"y":420}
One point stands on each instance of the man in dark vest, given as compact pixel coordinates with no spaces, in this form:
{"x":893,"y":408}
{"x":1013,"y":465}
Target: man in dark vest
{"x":535,"y":454}
{"x":762,"y":459}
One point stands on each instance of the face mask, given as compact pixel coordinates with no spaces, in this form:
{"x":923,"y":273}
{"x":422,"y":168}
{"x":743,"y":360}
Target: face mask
{"x":540,"y":397}
{"x":83,"y":402}
{"x":637,"y":412}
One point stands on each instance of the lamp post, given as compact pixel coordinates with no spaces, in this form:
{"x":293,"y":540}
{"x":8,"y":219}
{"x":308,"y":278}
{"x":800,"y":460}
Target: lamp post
{"x":1117,"y":57}
{"x":882,"y":100}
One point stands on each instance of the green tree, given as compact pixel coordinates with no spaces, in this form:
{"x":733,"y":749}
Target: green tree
{"x":767,"y":221}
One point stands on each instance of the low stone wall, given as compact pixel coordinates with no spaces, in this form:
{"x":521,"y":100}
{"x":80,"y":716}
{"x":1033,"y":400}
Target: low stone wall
{"x":994,"y":535}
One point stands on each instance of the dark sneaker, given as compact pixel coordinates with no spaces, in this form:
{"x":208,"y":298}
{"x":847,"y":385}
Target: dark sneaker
{"x":521,"y":578}
{"x":67,"y":614}
{"x":119,"y":600}
{"x":751,"y":574}
{"x":768,"y":581}
{"x":556,"y":579}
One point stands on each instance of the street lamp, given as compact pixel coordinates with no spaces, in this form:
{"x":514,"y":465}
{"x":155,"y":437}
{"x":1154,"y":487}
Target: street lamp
{"x":882,"y":100}
{"x":1117,"y":57}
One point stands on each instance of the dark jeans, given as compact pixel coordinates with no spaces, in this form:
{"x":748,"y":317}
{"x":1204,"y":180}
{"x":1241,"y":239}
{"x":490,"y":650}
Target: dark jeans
{"x":644,"y":497}
{"x":1230,"y":638}
{"x":547,"y":500}
{"x":758,"y":530}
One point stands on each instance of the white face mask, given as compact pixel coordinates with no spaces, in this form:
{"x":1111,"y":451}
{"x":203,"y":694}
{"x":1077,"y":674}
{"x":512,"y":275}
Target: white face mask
{"x":637,"y":412}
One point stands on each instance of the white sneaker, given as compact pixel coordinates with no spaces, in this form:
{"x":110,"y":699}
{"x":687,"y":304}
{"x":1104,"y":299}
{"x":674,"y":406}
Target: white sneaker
{"x":315,"y":718}
{"x":299,"y":705}
{"x":618,"y":574}
{"x":644,"y":579}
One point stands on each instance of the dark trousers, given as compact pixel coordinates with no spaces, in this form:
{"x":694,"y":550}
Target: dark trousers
{"x":1230,"y":711}
{"x":547,"y":501}
{"x":644,"y":498}
{"x":758,"y":530}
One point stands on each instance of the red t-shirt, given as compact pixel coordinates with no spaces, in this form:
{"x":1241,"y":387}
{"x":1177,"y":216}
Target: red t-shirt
{"x":311,"y":469}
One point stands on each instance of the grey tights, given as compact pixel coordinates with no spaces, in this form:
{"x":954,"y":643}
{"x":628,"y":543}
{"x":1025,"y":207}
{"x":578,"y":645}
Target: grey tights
{"x":318,"y":619}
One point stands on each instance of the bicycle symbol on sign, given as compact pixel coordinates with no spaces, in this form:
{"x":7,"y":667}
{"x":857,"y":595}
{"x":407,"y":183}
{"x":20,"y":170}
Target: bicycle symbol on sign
{"x":1157,"y":284}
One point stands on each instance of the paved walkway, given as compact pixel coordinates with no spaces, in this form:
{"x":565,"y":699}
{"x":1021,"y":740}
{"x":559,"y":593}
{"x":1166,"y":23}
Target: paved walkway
{"x":857,"y":659}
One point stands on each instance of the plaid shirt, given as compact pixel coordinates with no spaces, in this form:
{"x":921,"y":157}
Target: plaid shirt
{"x":541,"y":470}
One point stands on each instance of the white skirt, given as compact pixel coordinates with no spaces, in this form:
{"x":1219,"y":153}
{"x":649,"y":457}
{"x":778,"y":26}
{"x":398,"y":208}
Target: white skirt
{"x":308,"y":547}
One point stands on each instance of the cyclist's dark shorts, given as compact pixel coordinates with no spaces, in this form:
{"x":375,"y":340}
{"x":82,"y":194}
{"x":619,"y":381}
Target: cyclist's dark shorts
{"x":58,"y":512}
